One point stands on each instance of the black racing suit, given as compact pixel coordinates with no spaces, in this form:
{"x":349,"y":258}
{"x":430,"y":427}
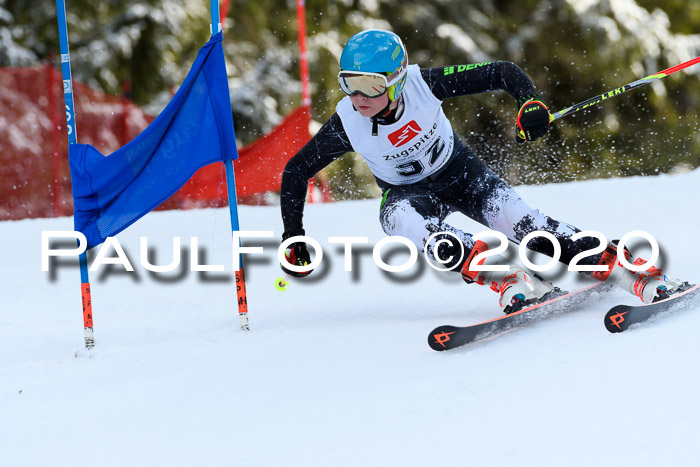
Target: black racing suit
{"x":466,"y":184}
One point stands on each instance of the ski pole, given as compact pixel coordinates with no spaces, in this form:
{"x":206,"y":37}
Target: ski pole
{"x":627,"y":87}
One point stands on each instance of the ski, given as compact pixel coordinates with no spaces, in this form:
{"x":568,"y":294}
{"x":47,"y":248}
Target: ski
{"x":448,"y":337}
{"x":621,"y":317}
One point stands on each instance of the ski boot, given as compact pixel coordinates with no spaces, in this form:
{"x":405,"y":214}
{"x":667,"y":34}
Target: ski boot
{"x":649,"y":286}
{"x":517,"y":287}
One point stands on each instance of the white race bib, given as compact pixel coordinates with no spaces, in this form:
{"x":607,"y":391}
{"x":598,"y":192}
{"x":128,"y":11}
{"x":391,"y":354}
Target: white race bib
{"x":407,"y":151}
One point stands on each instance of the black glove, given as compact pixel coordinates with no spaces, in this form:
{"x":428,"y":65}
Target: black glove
{"x":296,"y":254}
{"x":533,"y":118}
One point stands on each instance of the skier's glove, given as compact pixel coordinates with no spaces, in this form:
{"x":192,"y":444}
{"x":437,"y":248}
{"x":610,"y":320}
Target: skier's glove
{"x":296,"y":254}
{"x":533,"y":118}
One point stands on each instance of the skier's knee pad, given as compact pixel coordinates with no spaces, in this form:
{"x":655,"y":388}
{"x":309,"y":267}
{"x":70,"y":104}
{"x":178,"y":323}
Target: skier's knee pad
{"x":402,"y":219}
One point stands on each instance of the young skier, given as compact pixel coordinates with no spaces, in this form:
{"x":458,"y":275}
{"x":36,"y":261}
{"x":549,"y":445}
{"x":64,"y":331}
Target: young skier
{"x":393,"y":117}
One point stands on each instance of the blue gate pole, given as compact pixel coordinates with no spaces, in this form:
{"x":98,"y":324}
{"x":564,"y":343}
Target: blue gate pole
{"x":241,"y":295}
{"x":73,"y":139}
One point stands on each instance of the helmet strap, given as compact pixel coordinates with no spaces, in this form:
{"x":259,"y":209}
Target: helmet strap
{"x":387,"y":115}
{"x":375,"y":127}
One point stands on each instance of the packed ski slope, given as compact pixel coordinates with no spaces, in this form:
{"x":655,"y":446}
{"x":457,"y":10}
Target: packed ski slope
{"x":336,"y":370}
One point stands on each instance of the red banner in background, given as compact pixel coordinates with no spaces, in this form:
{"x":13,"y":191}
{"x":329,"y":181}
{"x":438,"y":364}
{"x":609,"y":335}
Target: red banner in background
{"x":258,"y":169}
{"x":34,"y":174}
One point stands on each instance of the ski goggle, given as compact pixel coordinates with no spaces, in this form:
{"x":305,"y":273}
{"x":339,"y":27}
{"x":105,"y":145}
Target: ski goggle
{"x":368,"y":84}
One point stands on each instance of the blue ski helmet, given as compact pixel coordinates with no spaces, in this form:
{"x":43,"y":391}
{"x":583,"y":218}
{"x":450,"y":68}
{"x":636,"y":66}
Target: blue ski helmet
{"x":377,"y":51}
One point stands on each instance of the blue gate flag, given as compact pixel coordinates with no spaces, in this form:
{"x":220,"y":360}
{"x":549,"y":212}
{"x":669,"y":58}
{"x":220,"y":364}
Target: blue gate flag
{"x":195,"y":129}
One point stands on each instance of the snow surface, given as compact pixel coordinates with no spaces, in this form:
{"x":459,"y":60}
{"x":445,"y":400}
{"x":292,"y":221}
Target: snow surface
{"x":336,"y":371}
